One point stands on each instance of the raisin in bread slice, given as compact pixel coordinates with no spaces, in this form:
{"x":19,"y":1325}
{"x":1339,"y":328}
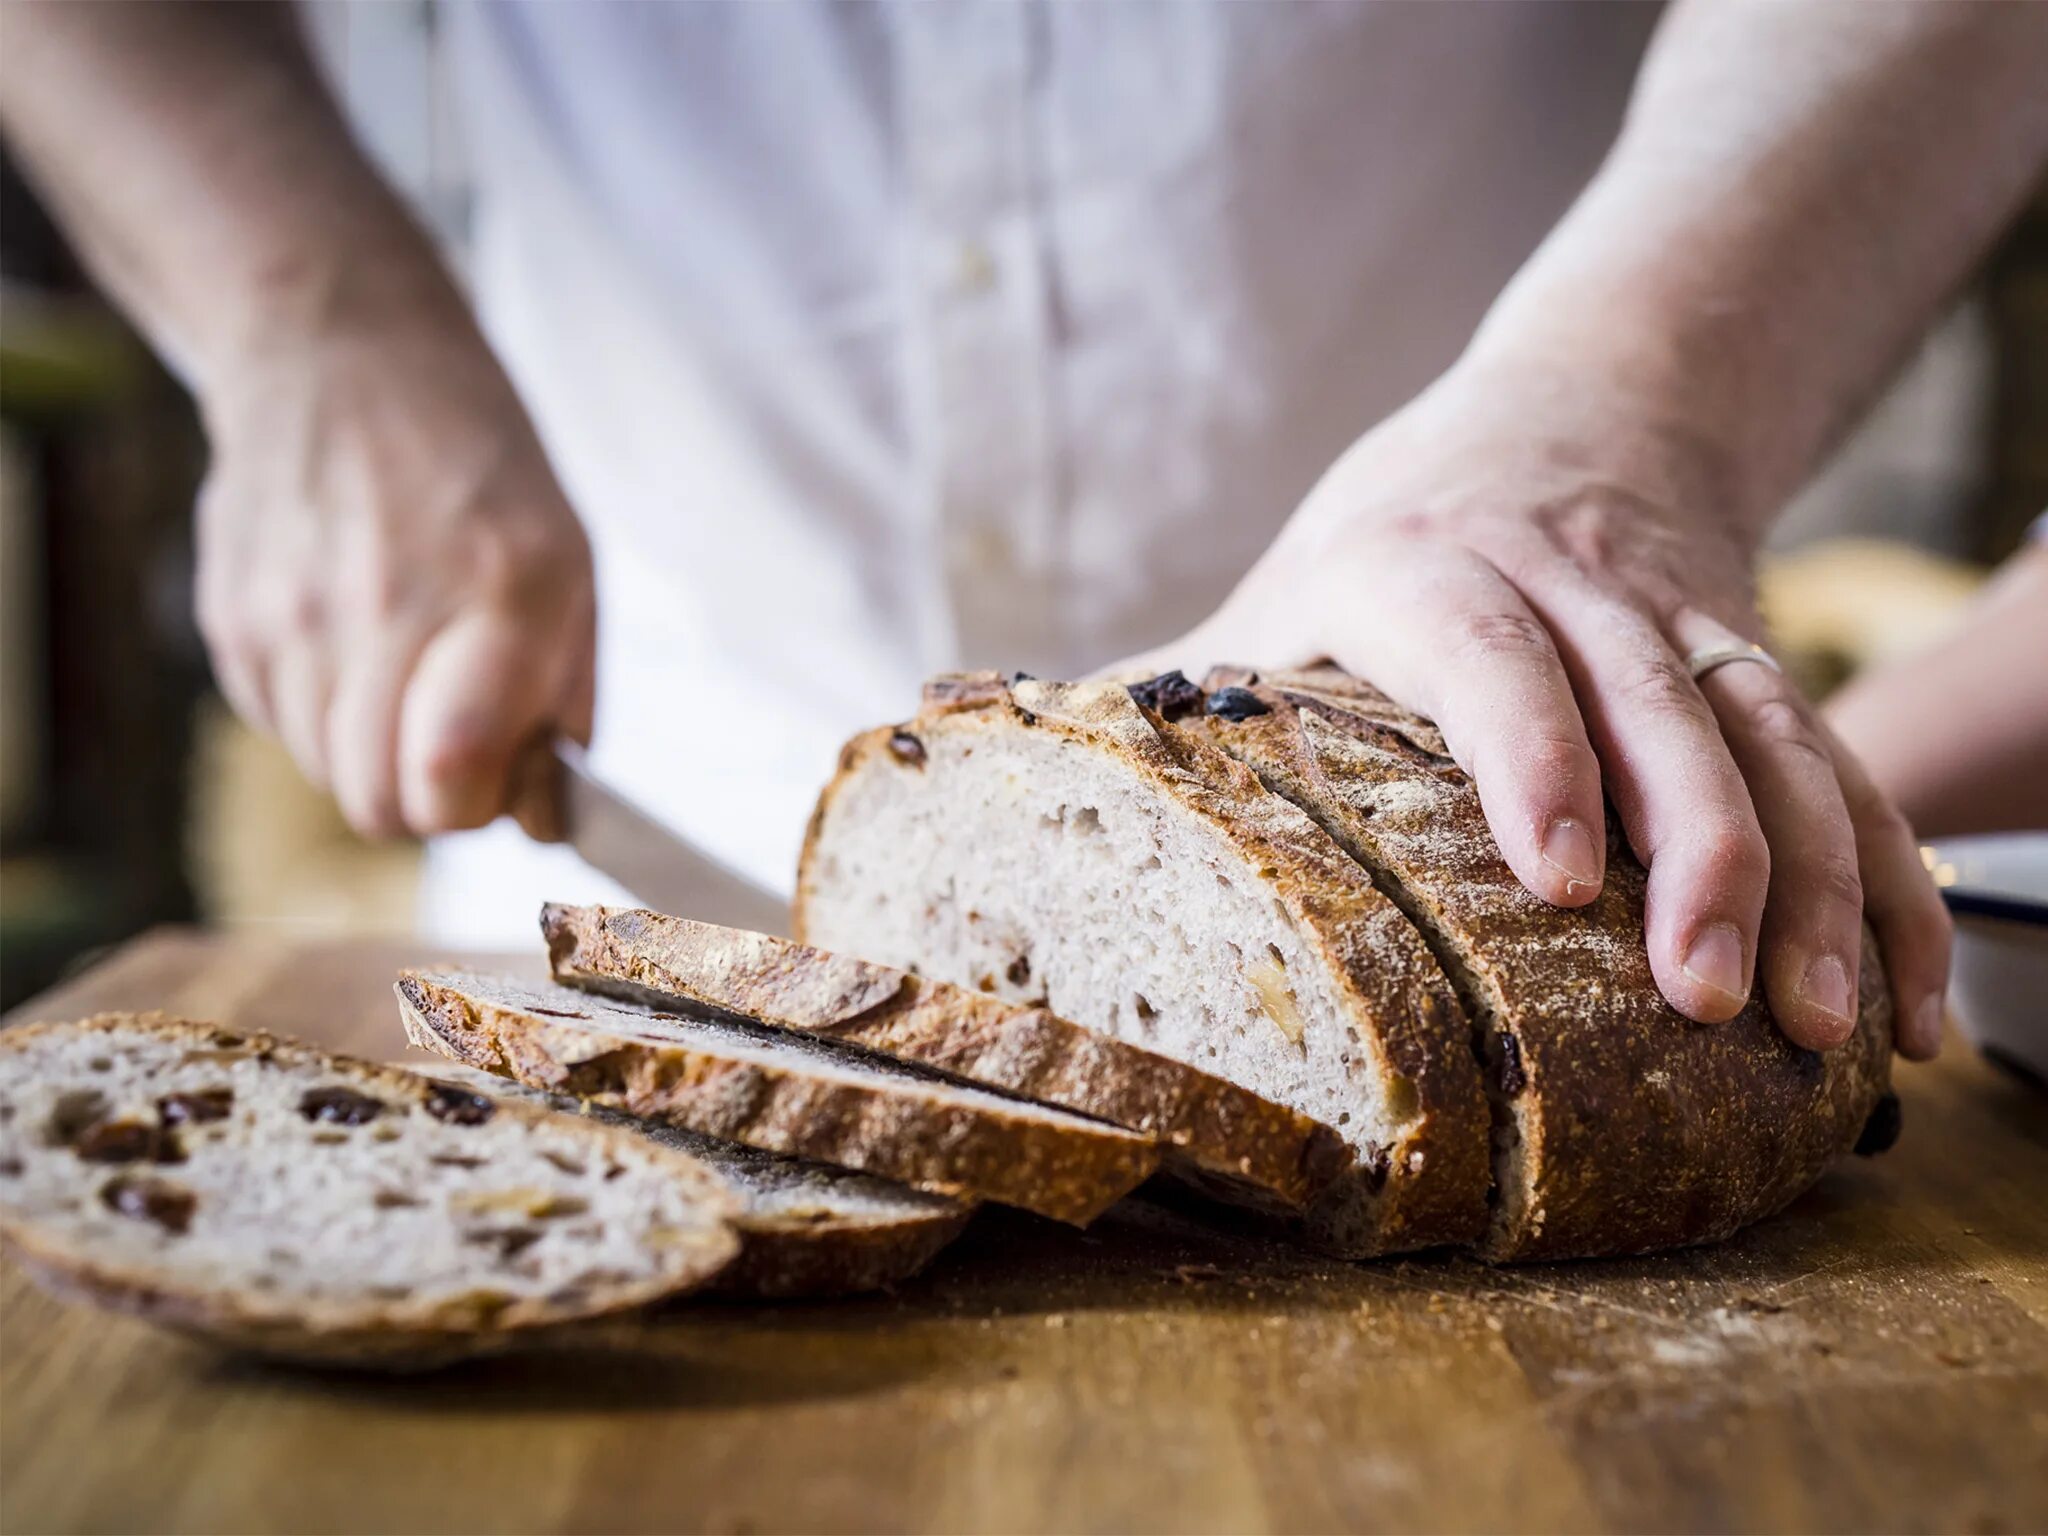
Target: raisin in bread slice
{"x":781,"y":1092}
{"x":1215,"y":1134}
{"x":1621,"y":1126}
{"x":280,"y":1199}
{"x":805,"y":1229}
{"x":1052,"y":844}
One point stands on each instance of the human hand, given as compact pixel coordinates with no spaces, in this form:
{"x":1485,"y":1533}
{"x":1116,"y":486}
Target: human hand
{"x":390,"y":580}
{"x":1527,"y":559}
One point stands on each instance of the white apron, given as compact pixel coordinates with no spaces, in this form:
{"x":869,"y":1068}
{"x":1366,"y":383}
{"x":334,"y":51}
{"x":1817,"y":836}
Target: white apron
{"x":874,"y":340}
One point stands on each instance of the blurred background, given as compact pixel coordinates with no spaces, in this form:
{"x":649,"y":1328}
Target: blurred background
{"x":130,"y":796}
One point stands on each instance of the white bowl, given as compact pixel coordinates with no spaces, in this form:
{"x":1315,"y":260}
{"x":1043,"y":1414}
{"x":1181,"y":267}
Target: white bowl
{"x":1997,"y":891}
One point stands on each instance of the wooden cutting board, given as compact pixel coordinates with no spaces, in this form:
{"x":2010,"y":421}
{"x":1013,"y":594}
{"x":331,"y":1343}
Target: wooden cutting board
{"x":1875,"y":1358}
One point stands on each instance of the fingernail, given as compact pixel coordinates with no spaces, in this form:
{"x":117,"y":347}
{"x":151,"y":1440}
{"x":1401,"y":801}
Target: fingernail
{"x":1715,"y":961}
{"x":1928,"y":1019}
{"x":1568,"y":848}
{"x":1826,"y":987}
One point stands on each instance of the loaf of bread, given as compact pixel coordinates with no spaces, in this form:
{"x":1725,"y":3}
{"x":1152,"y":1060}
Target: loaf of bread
{"x":805,"y":1229}
{"x":1051,"y":844}
{"x":780,"y":1092}
{"x":1620,"y":1125}
{"x":1214,"y":1133}
{"x":1290,"y":884}
{"x":283,"y":1200}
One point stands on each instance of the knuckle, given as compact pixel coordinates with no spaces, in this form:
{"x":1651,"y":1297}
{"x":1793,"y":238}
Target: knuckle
{"x":1940,"y":930}
{"x":1552,"y":766}
{"x":1782,"y":722}
{"x":1660,"y":685}
{"x":1902,"y":894}
{"x":1493,"y":636}
{"x":534,"y":554}
{"x":1832,"y":875}
{"x":381,"y":585}
{"x":1877,"y":817}
{"x":1734,"y":851}
{"x":288,"y":610}
{"x":305,"y":609}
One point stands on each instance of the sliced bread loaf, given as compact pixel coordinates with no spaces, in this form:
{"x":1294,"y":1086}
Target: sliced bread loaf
{"x":805,"y":1229}
{"x":780,"y":1092}
{"x":1053,"y":845}
{"x":1620,"y":1125}
{"x":1225,"y":1137}
{"x":284,"y":1200}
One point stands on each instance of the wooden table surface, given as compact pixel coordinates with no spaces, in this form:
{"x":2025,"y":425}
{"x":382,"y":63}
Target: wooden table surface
{"x":1874,"y":1358}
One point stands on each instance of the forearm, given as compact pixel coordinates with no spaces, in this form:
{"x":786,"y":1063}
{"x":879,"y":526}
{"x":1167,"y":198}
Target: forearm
{"x":1958,"y":735}
{"x":1798,"y":189}
{"x":193,"y":156}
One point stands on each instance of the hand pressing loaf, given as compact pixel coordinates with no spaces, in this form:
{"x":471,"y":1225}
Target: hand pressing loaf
{"x":1295,"y":888}
{"x":1620,"y":1125}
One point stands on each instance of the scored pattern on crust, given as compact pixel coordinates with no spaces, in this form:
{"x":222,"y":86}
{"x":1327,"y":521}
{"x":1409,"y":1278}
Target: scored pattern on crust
{"x":1625,"y":1126}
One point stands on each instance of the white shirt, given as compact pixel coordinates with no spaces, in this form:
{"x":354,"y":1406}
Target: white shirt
{"x":876,"y":340}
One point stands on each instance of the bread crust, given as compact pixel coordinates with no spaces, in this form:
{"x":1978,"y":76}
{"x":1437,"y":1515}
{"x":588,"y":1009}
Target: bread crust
{"x":822,"y":1251}
{"x":913,"y":1133}
{"x":326,"y":1331}
{"x":1639,"y":1129}
{"x":1250,"y":1148}
{"x":787,"y":1262}
{"x":1432,"y":1187}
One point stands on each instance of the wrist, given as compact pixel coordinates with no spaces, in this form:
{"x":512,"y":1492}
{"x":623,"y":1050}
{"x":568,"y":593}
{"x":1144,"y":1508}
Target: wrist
{"x":1672,"y":345}
{"x":304,"y":304}
{"x":1608,"y":403}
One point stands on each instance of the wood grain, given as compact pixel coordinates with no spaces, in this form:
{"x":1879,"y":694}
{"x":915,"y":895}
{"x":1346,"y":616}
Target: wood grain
{"x":1876,"y":1357}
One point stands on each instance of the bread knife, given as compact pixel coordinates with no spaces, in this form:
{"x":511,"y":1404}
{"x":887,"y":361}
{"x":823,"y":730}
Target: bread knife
{"x":557,"y":799}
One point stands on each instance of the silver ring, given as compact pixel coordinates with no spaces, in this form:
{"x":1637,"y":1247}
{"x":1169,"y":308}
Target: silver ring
{"x":1708,"y":657}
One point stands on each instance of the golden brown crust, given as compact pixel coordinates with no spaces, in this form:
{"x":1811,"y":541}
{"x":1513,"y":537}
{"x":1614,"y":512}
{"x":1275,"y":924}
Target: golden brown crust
{"x":381,"y":1335}
{"x":923,"y":1136}
{"x":1639,"y":1128}
{"x":823,"y":1246}
{"x":781,"y":1263}
{"x":1432,"y":1187}
{"x":1255,"y":1149}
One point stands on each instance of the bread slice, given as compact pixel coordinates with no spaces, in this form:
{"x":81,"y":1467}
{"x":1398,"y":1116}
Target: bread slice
{"x":1052,"y":845}
{"x":277,"y":1198}
{"x":806,"y":1230}
{"x":1223,"y":1137}
{"x":780,"y":1092}
{"x":1621,"y":1126}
